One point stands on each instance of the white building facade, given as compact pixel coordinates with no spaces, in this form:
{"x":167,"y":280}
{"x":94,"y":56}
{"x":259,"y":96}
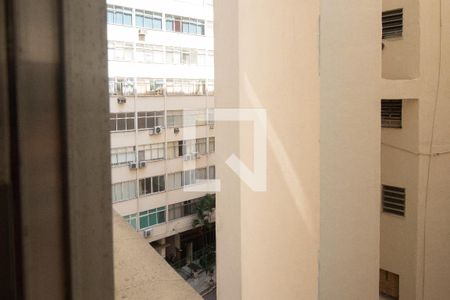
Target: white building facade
{"x":161,"y":84}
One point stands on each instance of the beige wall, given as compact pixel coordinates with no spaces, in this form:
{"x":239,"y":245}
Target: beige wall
{"x":350,"y":149}
{"x":416,"y":246}
{"x":266,"y":56}
{"x":401,"y":55}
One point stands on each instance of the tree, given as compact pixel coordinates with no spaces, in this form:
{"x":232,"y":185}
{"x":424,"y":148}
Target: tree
{"x":204,"y":210}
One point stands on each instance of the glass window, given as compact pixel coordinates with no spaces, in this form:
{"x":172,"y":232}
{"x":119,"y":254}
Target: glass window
{"x":151,"y":152}
{"x":149,"y":87}
{"x":123,"y":191}
{"x":150,"y":119}
{"x":121,"y":121}
{"x":212,"y":144}
{"x":152,"y":217}
{"x":122,"y":156}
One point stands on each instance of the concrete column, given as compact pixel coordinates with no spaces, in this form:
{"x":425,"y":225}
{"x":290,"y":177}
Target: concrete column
{"x":350,"y":72}
{"x":267,"y":57}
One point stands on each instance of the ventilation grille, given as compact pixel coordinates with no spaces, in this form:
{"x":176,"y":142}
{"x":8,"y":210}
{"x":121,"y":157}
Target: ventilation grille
{"x":394,"y":200}
{"x":392,"y":23}
{"x":391,"y":113}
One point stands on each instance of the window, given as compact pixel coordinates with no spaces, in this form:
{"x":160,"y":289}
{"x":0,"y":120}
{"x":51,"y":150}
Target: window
{"x":183,"y":118}
{"x":189,"y":177}
{"x":174,"y":118}
{"x":121,"y":86}
{"x":212,"y":172}
{"x":186,"y":147}
{"x":200,"y":146}
{"x":173,"y":55}
{"x":119,"y":15}
{"x":188,"y":87}
{"x":391,"y":113}
{"x":210,"y":88}
{"x":210,"y":116}
{"x":151,"y":185}
{"x":173,"y":23}
{"x":121,"y":121}
{"x":189,"y":56}
{"x":131,"y":219}
{"x":150,"y":119}
{"x":150,"y":87}
{"x":173,"y":151}
{"x":185,"y":25}
{"x":392,"y":23}
{"x":148,"y":19}
{"x":389,"y":284}
{"x":394,"y":200}
{"x":123,"y":191}
{"x":200,"y":174}
{"x":152,"y":217}
{"x":183,"y":209}
{"x":120,"y":51}
{"x":212,"y":144}
{"x":174,"y":181}
{"x":151,"y":152}
{"x":210,"y":58}
{"x":149,"y":53}
{"x":122,"y":156}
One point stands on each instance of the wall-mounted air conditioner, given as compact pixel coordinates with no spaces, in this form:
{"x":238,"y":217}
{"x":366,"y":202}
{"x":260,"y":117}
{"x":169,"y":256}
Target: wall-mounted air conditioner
{"x":187,"y":157}
{"x":142,"y":164}
{"x":158,"y":129}
{"x":132,"y":165}
{"x":176,"y":130}
{"x":147,"y":233}
{"x":121,"y":100}
{"x":141,"y":34}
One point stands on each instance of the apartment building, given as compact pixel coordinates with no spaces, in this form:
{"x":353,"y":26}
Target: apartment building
{"x":161,"y":86}
{"x":414,"y":150}
{"x":358,"y":161}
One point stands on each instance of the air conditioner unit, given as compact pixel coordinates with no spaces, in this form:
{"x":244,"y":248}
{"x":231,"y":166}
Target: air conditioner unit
{"x":147,"y":233}
{"x":195,"y":155}
{"x":141,"y":34}
{"x":132,"y":165}
{"x":158,"y":130}
{"x":121,"y":100}
{"x":142,"y":164}
{"x":176,"y":130}
{"x":187,"y":157}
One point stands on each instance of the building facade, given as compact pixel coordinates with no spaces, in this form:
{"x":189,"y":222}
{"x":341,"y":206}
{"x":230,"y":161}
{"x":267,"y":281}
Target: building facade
{"x":357,"y":199}
{"x":161,"y":85}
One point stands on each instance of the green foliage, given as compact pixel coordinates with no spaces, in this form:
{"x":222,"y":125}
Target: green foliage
{"x":204,"y":209}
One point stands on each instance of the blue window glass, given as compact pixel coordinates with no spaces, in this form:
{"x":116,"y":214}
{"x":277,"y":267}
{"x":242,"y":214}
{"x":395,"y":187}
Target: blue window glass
{"x":201,"y":29}
{"x":143,"y":222}
{"x":147,"y":22}
{"x":157,"y":24}
{"x":185,"y":27}
{"x":110,"y":17}
{"x":118,"y":18}
{"x":139,"y":21}
{"x":153,"y":219}
{"x":161,"y":216}
{"x":192,"y":28}
{"x":127,"y":19}
{"x":169,"y":25}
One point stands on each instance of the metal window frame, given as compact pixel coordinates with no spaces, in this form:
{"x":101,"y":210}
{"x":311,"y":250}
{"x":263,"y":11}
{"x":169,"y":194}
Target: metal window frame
{"x":48,"y":104}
